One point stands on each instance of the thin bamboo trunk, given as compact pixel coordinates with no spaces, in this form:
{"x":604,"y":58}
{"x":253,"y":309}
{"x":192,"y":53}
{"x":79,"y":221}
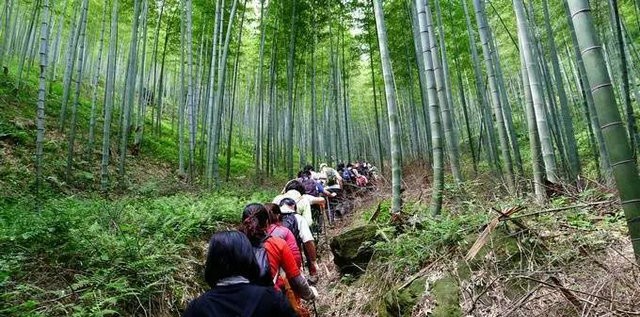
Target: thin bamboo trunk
{"x":95,"y":84}
{"x":222,"y":71}
{"x":434,"y":111}
{"x":42,"y":91}
{"x":567,"y":123}
{"x":143,"y":93}
{"x":290,"y":85}
{"x":396,"y":165}
{"x":71,"y":58}
{"x":443,"y":99}
{"x":109,"y":98}
{"x":78,"y":82}
{"x":314,"y":129}
{"x":534,"y":141}
{"x":190,"y":105}
{"x":234,"y":92}
{"x":533,"y":72}
{"x":375,"y":99}
{"x":129,"y":94}
{"x":481,"y":96}
{"x":259,"y":81}
{"x":485,"y":38}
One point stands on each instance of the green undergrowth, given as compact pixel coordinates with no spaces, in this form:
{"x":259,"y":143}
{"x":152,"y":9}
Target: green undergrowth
{"x":136,"y":250}
{"x":153,"y":170}
{"x":93,"y":257}
{"x":432,"y":238}
{"x":551,"y":241}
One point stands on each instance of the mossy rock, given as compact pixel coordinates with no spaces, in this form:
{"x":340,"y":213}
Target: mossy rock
{"x":447,"y":294}
{"x":352,"y":250}
{"x":400,"y":303}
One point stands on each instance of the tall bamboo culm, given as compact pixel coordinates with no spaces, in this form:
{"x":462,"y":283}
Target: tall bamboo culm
{"x":434,"y":111}
{"x":42,"y":92}
{"x":616,"y":139}
{"x":389,"y":86}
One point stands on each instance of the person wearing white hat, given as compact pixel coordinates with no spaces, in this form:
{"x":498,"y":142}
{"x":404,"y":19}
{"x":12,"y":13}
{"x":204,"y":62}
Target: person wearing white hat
{"x":301,"y":230}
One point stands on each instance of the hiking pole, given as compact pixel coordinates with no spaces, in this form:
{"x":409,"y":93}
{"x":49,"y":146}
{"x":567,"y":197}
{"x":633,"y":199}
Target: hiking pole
{"x":315,"y":310}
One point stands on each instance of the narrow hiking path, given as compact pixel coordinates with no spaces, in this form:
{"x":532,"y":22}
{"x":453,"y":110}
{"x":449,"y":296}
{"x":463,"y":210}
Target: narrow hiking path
{"x":336,"y":298}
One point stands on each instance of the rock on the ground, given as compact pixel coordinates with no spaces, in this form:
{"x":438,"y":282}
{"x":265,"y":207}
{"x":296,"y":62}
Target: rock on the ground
{"x":352,"y":250}
{"x":400,"y":302}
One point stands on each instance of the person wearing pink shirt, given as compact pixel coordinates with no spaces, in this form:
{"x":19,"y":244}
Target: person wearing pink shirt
{"x":276,"y":229}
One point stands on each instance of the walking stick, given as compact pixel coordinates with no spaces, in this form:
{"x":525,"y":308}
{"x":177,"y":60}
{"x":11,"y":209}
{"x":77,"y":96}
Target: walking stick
{"x":315,"y":310}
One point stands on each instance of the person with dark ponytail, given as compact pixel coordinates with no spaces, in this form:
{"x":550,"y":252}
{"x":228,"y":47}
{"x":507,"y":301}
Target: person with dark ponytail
{"x":276,"y":229}
{"x":255,"y":222}
{"x":230,"y":271}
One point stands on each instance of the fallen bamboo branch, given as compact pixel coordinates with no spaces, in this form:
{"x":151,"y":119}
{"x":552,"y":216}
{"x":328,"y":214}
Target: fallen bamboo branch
{"x":610,"y":300}
{"x":516,"y":222}
{"x":522,"y":300}
{"x":572,"y":298}
{"x":376,"y":213}
{"x":560,"y":209}
{"x":484,"y":236}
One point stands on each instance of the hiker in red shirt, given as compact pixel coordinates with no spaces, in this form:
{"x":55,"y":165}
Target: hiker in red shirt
{"x":282,"y":265}
{"x":276,"y":229}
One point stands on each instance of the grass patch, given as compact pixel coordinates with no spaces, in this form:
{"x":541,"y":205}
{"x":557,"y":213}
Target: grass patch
{"x":92,"y":256}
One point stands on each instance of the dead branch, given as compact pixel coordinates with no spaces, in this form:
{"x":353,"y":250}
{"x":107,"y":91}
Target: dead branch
{"x":522,"y":300}
{"x":560,"y":209}
{"x":484,"y":236}
{"x":572,"y":298}
{"x":611,"y":300}
{"x":376,"y":213}
{"x":484,"y":291}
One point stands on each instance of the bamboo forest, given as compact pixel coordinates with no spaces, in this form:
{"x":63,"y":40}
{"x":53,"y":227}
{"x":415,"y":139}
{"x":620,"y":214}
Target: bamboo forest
{"x":417,"y":158}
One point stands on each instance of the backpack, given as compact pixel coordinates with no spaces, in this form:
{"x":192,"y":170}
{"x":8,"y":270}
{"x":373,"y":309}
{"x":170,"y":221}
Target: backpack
{"x":331,"y":177}
{"x":290,"y":222}
{"x":264,"y":278}
{"x":310,"y":186}
{"x":346,"y":175}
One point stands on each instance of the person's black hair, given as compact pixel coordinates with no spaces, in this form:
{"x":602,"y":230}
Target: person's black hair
{"x":255,"y":219}
{"x":308,"y":168}
{"x":300,"y":173}
{"x":297,"y":186}
{"x":274,"y":212}
{"x":306,"y":174}
{"x":340,"y":166}
{"x":230,"y":254}
{"x":287,"y":201}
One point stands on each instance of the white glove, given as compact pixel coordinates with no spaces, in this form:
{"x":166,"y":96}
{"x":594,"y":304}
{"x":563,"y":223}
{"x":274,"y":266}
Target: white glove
{"x":314,"y":291}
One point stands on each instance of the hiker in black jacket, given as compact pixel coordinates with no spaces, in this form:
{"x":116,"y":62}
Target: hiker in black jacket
{"x":230,"y":270}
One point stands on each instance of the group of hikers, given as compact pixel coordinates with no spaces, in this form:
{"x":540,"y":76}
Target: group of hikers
{"x":257,"y":270}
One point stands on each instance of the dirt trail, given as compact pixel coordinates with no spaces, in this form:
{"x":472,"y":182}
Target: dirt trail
{"x":335,"y":296}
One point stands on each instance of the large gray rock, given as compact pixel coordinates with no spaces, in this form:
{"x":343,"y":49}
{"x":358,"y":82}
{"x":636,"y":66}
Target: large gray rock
{"x":352,"y":250}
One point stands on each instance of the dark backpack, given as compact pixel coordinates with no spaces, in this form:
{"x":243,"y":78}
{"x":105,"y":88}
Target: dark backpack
{"x":310,"y":186}
{"x":264,"y":279}
{"x":289,"y":221}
